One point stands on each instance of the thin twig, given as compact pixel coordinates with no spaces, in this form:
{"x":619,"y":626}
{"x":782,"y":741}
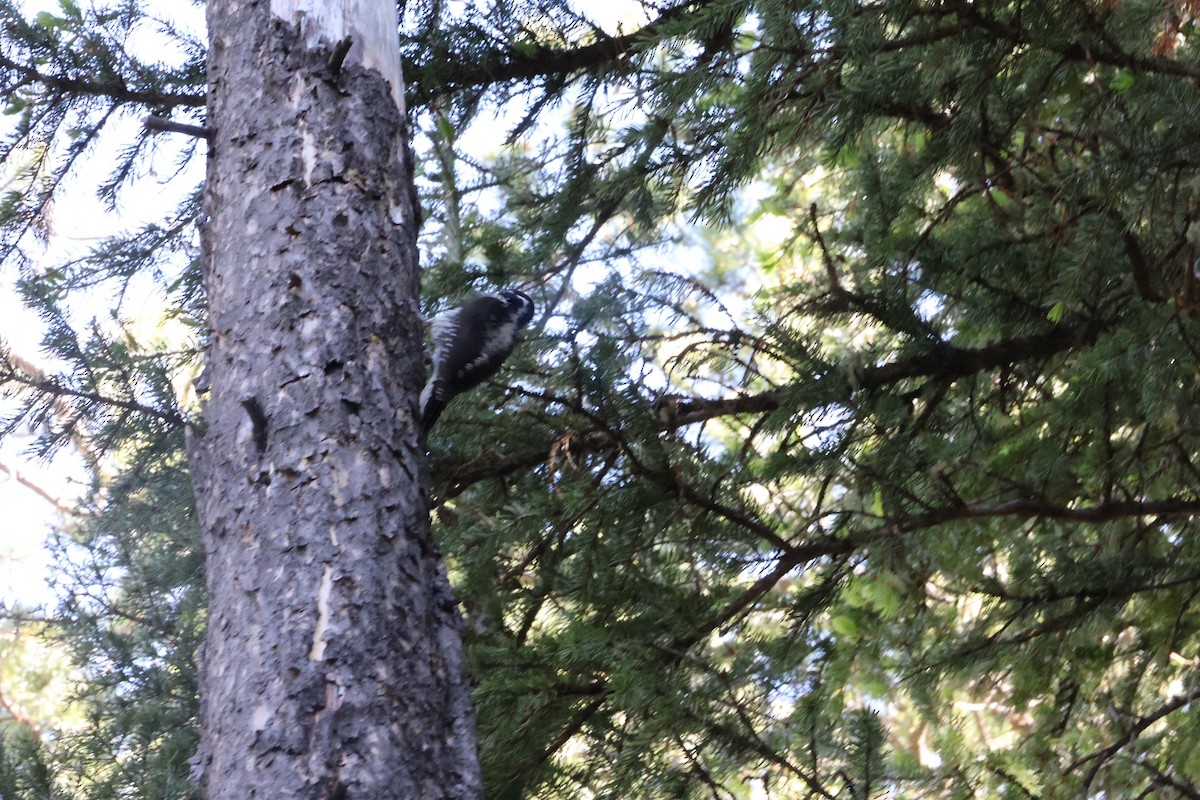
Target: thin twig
{"x":1102,"y":756}
{"x":59,"y":505}
{"x":835,"y":283}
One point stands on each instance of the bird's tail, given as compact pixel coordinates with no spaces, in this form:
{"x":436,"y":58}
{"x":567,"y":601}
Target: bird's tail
{"x":433,"y":403}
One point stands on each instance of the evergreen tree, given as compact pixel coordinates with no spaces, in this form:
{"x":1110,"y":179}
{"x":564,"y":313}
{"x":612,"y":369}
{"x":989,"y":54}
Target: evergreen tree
{"x":854,"y":452}
{"x":911,"y":432}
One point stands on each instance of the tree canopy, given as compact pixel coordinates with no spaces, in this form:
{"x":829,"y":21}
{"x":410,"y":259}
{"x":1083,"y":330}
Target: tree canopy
{"x":853,"y":450}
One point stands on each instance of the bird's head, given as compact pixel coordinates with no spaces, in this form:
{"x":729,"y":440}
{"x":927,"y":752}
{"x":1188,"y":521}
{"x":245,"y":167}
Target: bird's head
{"x":521,"y":305}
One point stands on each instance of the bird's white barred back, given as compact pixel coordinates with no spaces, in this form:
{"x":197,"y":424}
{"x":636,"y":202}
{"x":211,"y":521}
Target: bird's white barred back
{"x":470,"y":344}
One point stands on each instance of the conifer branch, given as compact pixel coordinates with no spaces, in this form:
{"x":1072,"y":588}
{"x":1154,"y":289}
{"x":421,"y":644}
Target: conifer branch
{"x":940,"y":363}
{"x":751,"y":740}
{"x":1107,"y":51}
{"x":1183,"y":787}
{"x":1102,"y":756}
{"x":12,"y":364}
{"x":1023,"y":509}
{"x":949,"y":362}
{"x":118,"y":92}
{"x":571,"y":728}
{"x":1108,"y":590}
{"x":543,"y":61}
{"x":795,"y":556}
{"x":835,"y":282}
{"x":736,"y":516}
{"x":57,"y":391}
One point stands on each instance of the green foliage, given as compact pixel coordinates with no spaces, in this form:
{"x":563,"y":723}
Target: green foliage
{"x":24,"y":771}
{"x":132,"y":608}
{"x":129,"y":572}
{"x":854,"y":453}
{"x":922,"y":448}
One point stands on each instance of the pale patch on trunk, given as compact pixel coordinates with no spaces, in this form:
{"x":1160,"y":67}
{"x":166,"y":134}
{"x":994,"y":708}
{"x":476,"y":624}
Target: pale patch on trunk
{"x":364,"y":21}
{"x":308,"y":152}
{"x":318,"y":646}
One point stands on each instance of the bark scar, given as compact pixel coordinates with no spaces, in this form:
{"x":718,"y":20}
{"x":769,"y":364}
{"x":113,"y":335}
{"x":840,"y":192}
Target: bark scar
{"x":258,"y":419}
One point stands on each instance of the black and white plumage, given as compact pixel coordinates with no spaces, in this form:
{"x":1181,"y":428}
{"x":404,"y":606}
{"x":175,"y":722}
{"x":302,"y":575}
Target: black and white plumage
{"x":469,"y":345}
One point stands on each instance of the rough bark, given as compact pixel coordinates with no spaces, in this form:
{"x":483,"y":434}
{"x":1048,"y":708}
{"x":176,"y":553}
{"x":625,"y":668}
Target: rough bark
{"x":333,"y":662}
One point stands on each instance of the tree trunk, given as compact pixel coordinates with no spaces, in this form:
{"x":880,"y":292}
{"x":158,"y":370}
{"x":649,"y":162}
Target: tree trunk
{"x":333,"y":664}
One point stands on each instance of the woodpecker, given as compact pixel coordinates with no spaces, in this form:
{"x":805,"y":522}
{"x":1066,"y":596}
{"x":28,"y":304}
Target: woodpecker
{"x":469,"y":345}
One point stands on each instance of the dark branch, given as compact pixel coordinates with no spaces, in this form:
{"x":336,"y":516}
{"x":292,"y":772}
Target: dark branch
{"x":943,"y":362}
{"x":1101,"y":756}
{"x":795,"y":556}
{"x":542,"y":61}
{"x":340,"y":50}
{"x":53,"y":389}
{"x":947,"y":362}
{"x":155,"y":123}
{"x":1089,"y":52}
{"x":1022,"y":509}
{"x":118,"y":92}
{"x":675,"y":412}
